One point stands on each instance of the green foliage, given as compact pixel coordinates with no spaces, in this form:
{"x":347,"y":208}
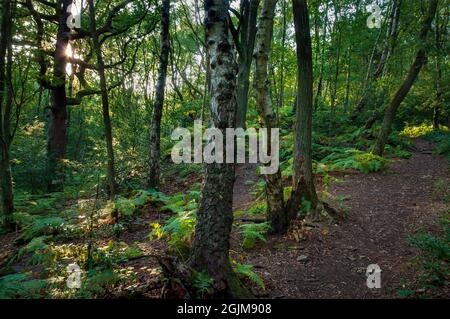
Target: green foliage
{"x":436,"y":254}
{"x":22,"y":285}
{"x":343,"y":159}
{"x":180,"y":230}
{"x":157,"y":231}
{"x":38,"y":247}
{"x":442,"y":140}
{"x":127,"y":207}
{"x":114,"y":253}
{"x":252,"y":233}
{"x":98,"y":282}
{"x":244,"y":270}
{"x":41,"y":225}
{"x":180,"y":202}
{"x":416,"y":130}
{"x":202,"y":283}
{"x":39,"y":204}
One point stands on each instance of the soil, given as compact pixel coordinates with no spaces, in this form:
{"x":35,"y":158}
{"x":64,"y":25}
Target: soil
{"x":384,"y":208}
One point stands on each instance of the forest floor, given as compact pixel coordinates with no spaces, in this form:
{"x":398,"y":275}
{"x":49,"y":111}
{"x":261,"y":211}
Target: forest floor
{"x":330,"y":261}
{"x":321,"y":260}
{"x":384,"y":208}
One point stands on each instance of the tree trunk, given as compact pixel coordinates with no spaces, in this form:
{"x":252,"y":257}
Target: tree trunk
{"x":438,"y":70}
{"x":155,"y":129}
{"x":322,"y":60}
{"x":6,"y":185}
{"x":303,"y":180}
{"x":283,"y":49}
{"x":274,"y":184}
{"x":389,"y":45}
{"x":105,"y":102}
{"x":391,"y":38}
{"x":210,"y":248}
{"x":246,"y":43}
{"x":347,"y":79}
{"x":57,"y":125}
{"x":336,"y":75}
{"x":419,"y":61}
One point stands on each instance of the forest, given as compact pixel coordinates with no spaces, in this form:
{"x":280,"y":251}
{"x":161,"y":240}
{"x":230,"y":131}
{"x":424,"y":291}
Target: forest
{"x":224,"y":149}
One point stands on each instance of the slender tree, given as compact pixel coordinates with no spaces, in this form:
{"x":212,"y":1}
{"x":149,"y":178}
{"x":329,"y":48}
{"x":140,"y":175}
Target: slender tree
{"x":390,"y":42}
{"x":338,"y":59}
{"x":322,"y":58}
{"x":440,"y":32}
{"x":105,"y":101}
{"x":391,"y":37}
{"x":274,"y":184}
{"x":210,"y":248}
{"x":6,"y":104}
{"x":244,"y":38}
{"x":303,"y":179}
{"x":419,"y":61}
{"x":155,"y":129}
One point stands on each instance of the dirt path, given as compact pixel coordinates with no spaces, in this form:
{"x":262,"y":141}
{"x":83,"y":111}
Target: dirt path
{"x":384,"y":209}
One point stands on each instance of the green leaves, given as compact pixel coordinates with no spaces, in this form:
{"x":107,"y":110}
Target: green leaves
{"x":252,"y":233}
{"x":203,"y":283}
{"x":21,"y":285}
{"x":343,"y":159}
{"x":436,"y":254}
{"x":42,"y":226}
{"x":247,"y":271}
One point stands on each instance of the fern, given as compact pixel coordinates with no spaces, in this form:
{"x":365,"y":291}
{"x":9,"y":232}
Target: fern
{"x":180,"y":228}
{"x":247,"y":271}
{"x":38,"y":247}
{"x":39,"y":226}
{"x":21,"y":285}
{"x":252,"y":233}
{"x":202,"y":283}
{"x":157,"y":231}
{"x":354,"y":159}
